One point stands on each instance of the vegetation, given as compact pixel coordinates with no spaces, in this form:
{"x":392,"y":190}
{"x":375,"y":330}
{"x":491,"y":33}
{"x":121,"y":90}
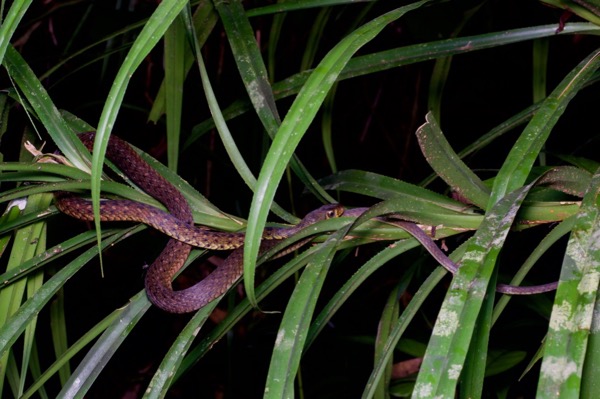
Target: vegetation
{"x":270,"y":110}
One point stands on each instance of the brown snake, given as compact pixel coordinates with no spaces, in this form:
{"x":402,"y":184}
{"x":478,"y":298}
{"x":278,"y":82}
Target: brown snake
{"x":179,"y":226}
{"x":452,"y":267}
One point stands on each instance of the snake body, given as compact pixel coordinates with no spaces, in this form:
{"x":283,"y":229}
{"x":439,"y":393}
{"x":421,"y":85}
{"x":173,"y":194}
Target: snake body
{"x":178,"y":224}
{"x":452,"y":267}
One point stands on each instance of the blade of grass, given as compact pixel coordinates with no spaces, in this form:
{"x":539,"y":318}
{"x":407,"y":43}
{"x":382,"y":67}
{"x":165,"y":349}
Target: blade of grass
{"x":167,"y":370}
{"x":315,"y":37}
{"x":573,"y":311}
{"x":36,"y":371}
{"x":10,"y":23}
{"x":253,"y":72}
{"x":34,"y":282}
{"x":289,"y":343}
{"x":295,"y":124}
{"x":45,"y":110}
{"x":40,"y":169}
{"x":274,"y":34}
{"x":524,"y":152}
{"x":388,"y":320}
{"x":441,"y":69}
{"x":249,"y":63}
{"x":204,"y":20}
{"x":174,"y":46}
{"x":589,"y":383}
{"x":447,"y":165}
{"x":567,"y":179}
{"x":77,"y":347}
{"x":59,"y":330}
{"x":394,"y":58}
{"x":495,"y":133}
{"x":101,"y":352}
{"x":385,"y":187}
{"x":292,"y":5}
{"x":234,"y":154}
{"x":449,"y":344}
{"x":327,"y":129}
{"x":11,"y":330}
{"x":151,"y":33}
{"x":405,"y":318}
{"x":540,"y":70}
{"x":26,"y":241}
{"x":53,"y":253}
{"x":474,"y":370}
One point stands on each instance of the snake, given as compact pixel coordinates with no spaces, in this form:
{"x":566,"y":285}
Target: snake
{"x":178,"y":224}
{"x":452,"y":267}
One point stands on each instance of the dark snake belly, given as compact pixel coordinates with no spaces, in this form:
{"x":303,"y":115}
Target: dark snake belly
{"x":178,"y":224}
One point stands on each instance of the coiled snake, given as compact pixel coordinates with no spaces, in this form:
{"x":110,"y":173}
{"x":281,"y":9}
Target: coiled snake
{"x":178,"y":224}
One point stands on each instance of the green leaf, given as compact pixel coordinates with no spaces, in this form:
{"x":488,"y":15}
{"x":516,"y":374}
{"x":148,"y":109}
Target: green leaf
{"x":45,"y":110}
{"x":10,"y":23}
{"x":10,"y":331}
{"x":446,"y":163}
{"x":586,"y":9}
{"x":401,"y":56}
{"x":520,"y":160}
{"x":291,"y":336}
{"x":174,"y":77}
{"x":452,"y":333}
{"x":253,"y":73}
{"x":295,"y":124}
{"x":574,"y":303}
{"x":28,"y":242}
{"x":166,"y":372}
{"x":152,"y":32}
{"x":101,"y":352}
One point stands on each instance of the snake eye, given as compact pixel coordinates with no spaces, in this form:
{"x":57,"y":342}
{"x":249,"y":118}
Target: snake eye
{"x":330,"y":214}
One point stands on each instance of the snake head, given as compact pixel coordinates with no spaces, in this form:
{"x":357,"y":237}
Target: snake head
{"x":335,"y":211}
{"x":326,"y":212}
{"x":323,"y":213}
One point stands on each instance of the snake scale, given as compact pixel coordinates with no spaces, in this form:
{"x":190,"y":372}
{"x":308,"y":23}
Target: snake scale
{"x":178,"y":224}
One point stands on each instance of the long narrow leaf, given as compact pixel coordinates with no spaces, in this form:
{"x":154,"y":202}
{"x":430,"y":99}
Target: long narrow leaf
{"x":174,"y":76}
{"x":11,"y":330}
{"x":45,"y":110}
{"x":254,"y":75}
{"x":152,"y":32}
{"x":524,"y":152}
{"x":573,"y":310}
{"x":295,"y":124}
{"x":451,"y":336}
{"x":291,"y":336}
{"x":10,"y":22}
{"x":394,"y":58}
{"x":166,"y":372}
{"x":448,"y":165}
{"x":97,"y":357}
{"x":70,"y":352}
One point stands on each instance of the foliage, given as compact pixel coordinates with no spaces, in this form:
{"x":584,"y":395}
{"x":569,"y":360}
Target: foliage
{"x":524,"y":193}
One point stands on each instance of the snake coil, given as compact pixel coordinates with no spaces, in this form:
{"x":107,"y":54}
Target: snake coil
{"x":178,"y":224}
